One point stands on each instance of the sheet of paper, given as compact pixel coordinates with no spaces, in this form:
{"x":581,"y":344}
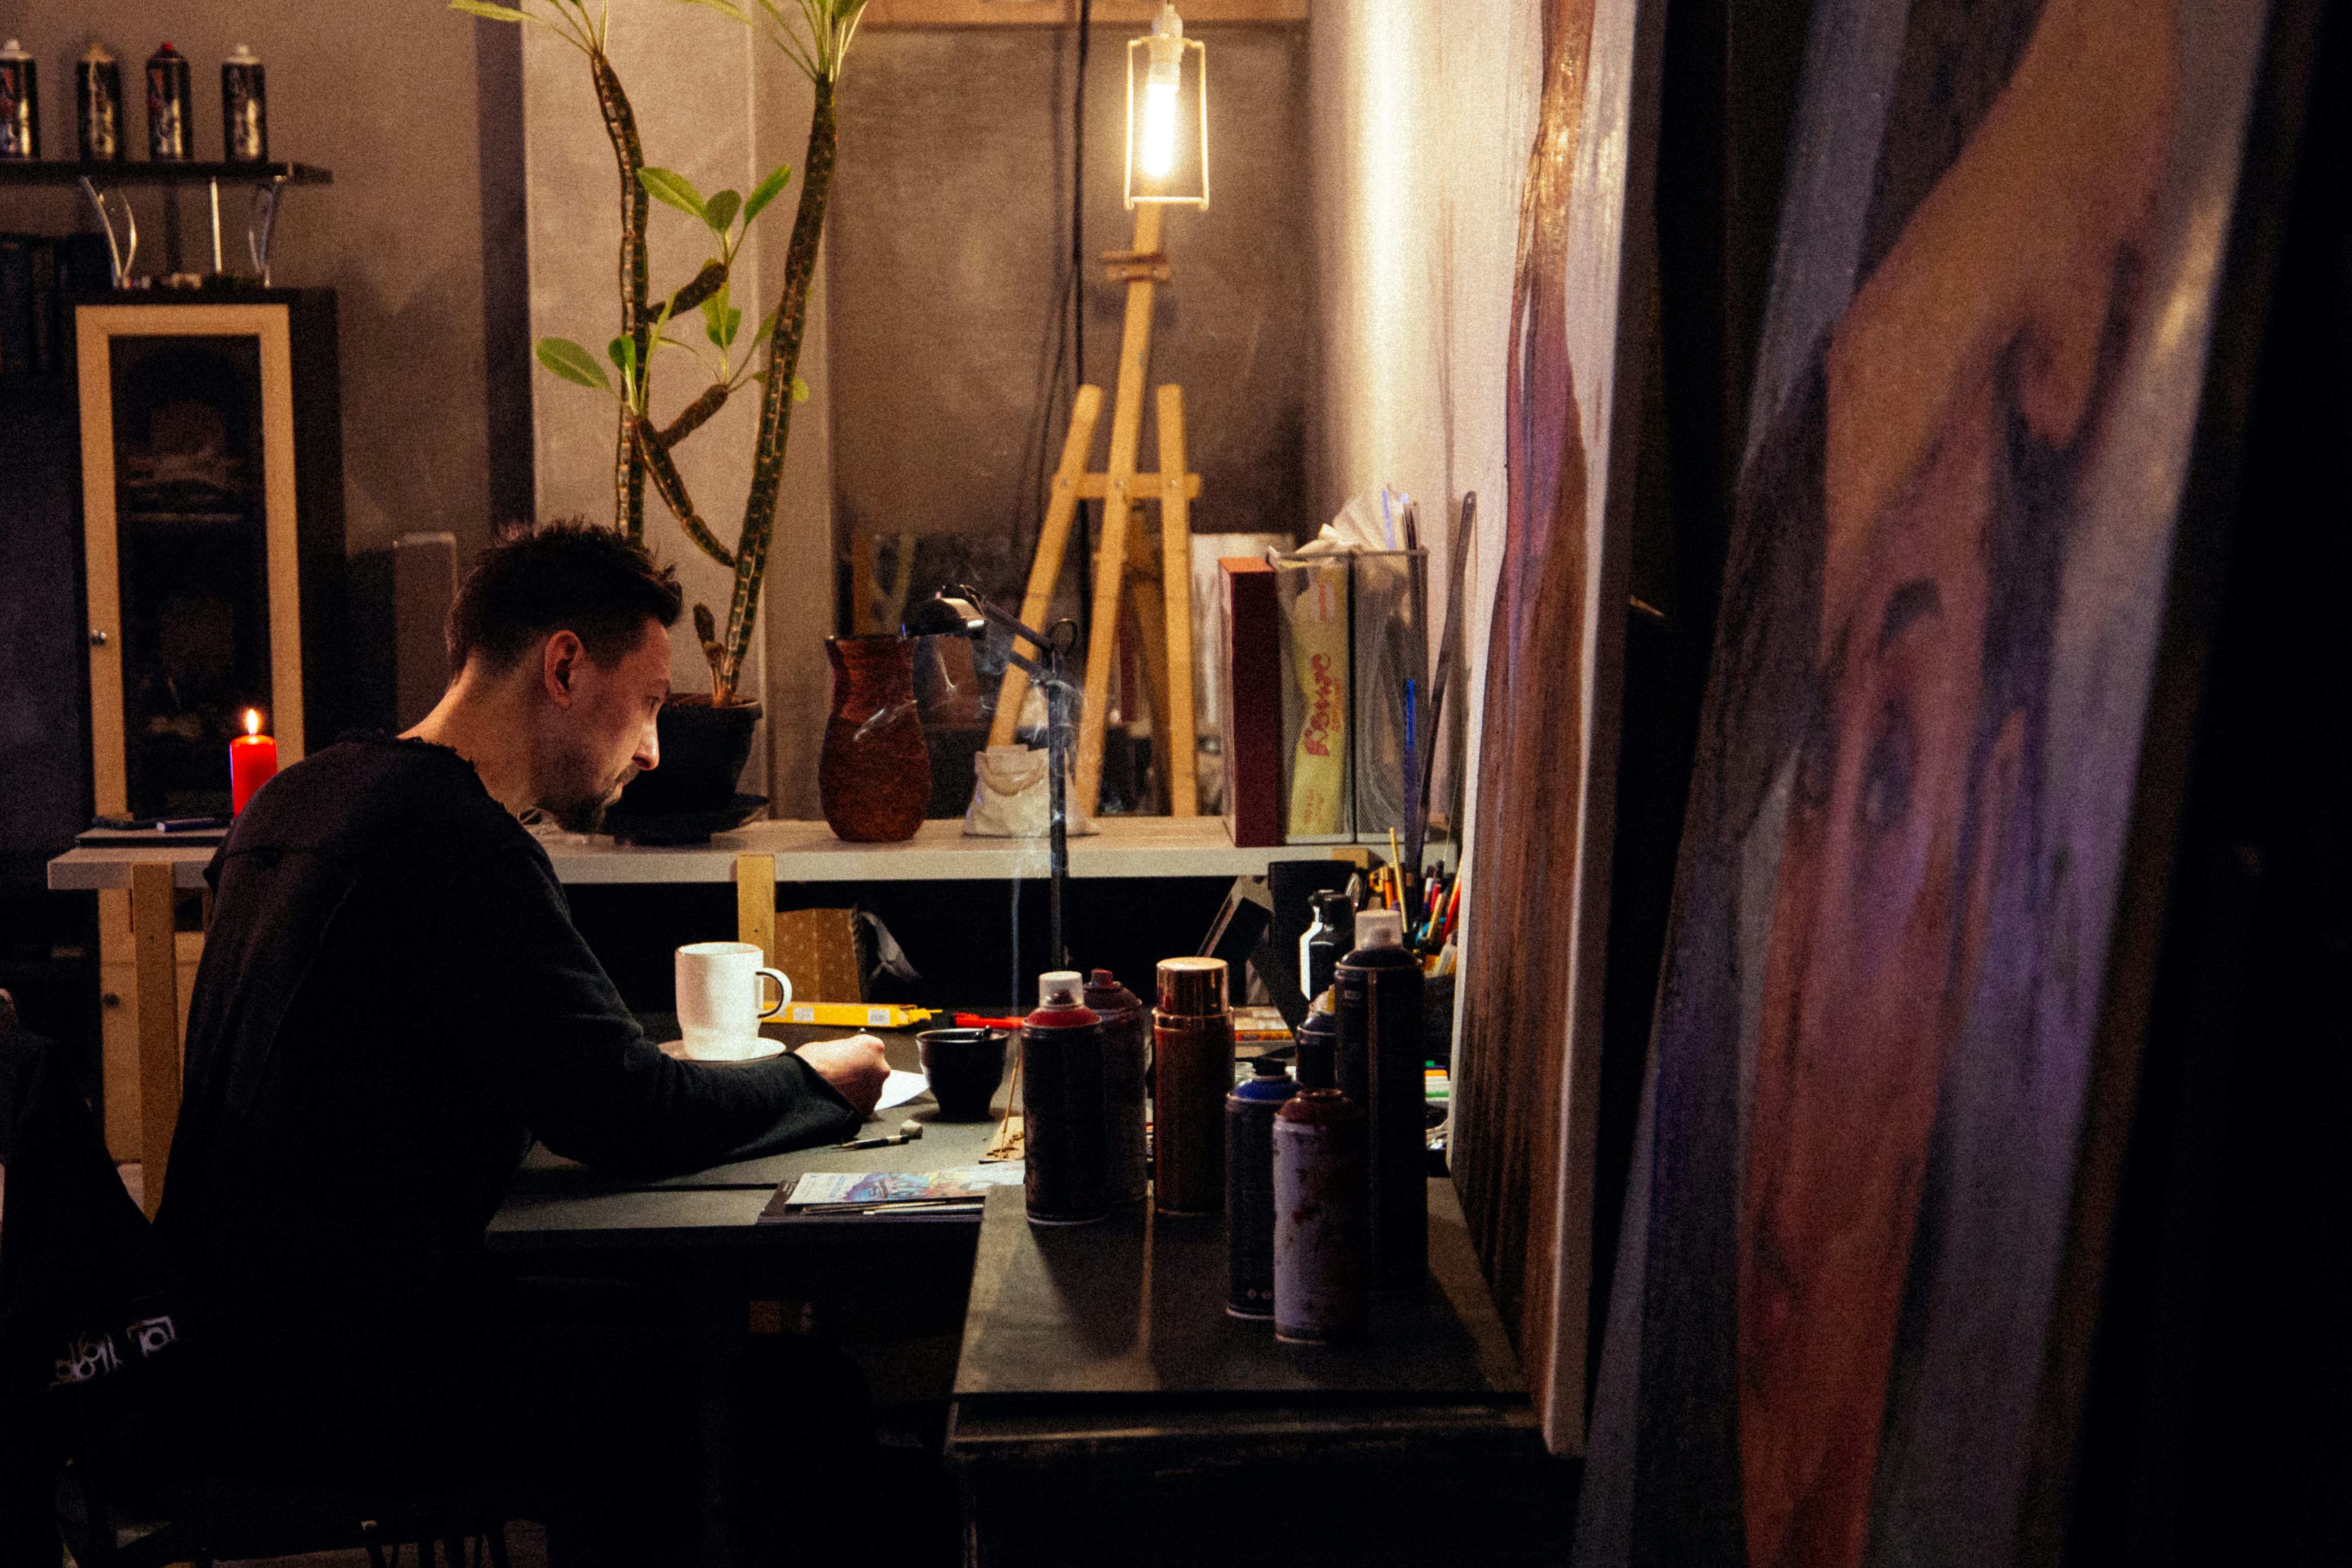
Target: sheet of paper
{"x":901,"y":1186}
{"x":902,"y":1088}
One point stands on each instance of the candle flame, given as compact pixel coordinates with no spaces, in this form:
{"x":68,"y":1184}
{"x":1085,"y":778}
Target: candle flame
{"x":253,"y":721}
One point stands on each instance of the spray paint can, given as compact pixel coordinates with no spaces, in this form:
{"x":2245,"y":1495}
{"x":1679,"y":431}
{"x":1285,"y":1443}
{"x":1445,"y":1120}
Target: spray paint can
{"x":1249,"y":1187}
{"x":1332,"y":934}
{"x":1125,"y":1053}
{"x":171,"y":127}
{"x":1191,"y":1072}
{"x":20,"y":103}
{"x":244,"y":109}
{"x":1376,"y":994}
{"x":98,"y":105}
{"x":1068,"y":1175}
{"x":1320,"y":1171}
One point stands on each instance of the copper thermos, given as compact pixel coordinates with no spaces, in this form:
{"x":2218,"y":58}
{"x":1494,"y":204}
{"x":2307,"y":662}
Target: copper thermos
{"x":1192,"y":1073}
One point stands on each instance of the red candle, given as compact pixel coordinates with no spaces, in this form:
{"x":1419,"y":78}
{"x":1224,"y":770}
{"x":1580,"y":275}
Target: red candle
{"x":252,"y":761}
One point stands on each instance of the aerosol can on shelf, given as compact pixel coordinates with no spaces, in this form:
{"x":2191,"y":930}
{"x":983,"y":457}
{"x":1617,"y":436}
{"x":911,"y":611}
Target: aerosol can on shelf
{"x":1126,"y":1051}
{"x":1377,"y":996}
{"x":1249,"y":1187}
{"x":1320,"y":1178}
{"x":1067,"y":1178}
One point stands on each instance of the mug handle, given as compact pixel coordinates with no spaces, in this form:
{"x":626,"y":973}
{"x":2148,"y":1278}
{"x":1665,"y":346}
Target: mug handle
{"x":783,"y":988}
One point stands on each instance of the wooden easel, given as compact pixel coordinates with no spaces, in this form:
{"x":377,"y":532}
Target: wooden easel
{"x":1159,"y":586}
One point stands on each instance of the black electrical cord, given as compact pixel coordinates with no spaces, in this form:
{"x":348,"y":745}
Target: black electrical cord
{"x":1079,"y":300}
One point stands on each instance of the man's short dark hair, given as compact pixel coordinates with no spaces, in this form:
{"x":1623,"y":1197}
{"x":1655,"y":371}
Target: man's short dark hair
{"x":569,"y":576}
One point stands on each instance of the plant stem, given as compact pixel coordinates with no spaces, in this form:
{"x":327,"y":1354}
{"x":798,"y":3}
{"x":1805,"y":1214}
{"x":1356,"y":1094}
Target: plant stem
{"x":621,"y":126}
{"x":654,"y":453}
{"x":776,"y":396}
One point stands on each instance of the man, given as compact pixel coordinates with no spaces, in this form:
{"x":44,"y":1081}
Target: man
{"x":394,"y":1002}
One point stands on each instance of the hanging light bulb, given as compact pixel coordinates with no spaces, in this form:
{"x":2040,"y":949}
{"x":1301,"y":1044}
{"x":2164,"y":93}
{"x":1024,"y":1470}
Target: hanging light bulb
{"x":1155,"y":109}
{"x":1166,"y":46}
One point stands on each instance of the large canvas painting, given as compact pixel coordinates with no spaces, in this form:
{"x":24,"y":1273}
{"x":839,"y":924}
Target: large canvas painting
{"x":1535,"y":929}
{"x":1982,"y":364}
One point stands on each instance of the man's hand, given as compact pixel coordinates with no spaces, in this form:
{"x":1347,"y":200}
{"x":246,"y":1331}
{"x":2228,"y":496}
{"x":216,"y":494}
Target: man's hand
{"x":854,"y":1066}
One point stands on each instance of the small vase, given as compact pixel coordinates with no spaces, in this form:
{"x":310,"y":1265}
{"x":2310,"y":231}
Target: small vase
{"x":875,"y":775}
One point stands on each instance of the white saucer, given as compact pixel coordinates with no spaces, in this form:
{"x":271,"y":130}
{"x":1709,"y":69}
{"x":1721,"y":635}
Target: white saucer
{"x":757,"y":1050}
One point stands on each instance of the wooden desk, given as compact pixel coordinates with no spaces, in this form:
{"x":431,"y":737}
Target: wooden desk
{"x":144,"y":984}
{"x":1107,"y":1410}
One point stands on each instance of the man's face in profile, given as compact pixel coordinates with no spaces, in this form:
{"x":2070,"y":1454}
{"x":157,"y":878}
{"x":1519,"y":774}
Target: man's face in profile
{"x":605,"y":735}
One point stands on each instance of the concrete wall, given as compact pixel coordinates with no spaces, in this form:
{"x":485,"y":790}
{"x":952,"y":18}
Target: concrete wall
{"x":1424,"y":117}
{"x":950,"y":239}
{"x":390,"y":107}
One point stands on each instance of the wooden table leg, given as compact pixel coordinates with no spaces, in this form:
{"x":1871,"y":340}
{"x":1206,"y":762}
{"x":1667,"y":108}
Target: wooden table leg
{"x":755,"y":904}
{"x":155,"y":957}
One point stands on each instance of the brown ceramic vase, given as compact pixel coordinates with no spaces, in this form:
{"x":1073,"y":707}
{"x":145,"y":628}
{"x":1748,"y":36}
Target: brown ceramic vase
{"x":874,"y":778}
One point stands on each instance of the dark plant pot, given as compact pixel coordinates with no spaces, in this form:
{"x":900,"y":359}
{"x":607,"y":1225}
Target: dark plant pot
{"x":874,"y":777}
{"x":703,"y":750}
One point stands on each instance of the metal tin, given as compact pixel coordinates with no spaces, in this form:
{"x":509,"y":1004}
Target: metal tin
{"x":1126,"y":1051}
{"x":171,"y":130}
{"x":1192,"y":1073}
{"x":244,"y":109}
{"x":1249,"y":1187}
{"x":1377,"y":994}
{"x":98,"y":105}
{"x":1320,"y":1263}
{"x":1066,"y":1177}
{"x":20,"y":103}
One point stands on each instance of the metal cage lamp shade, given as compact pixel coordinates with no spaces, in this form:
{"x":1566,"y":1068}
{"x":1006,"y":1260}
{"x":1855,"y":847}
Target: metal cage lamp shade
{"x":1158,"y":104}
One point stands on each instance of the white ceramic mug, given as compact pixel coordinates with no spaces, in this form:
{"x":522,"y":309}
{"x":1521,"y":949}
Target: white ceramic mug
{"x":719,"y":1003}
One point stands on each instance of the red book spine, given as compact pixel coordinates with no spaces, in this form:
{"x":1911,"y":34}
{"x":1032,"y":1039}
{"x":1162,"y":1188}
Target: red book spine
{"x":1253,"y":738}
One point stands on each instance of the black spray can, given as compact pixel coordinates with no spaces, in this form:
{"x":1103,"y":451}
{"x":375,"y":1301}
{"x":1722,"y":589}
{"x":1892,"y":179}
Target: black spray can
{"x":1319,"y":1175}
{"x":98,"y":105}
{"x":20,"y":103}
{"x":1249,"y":1188}
{"x":244,"y":109}
{"x":1125,"y":1057}
{"x":1377,"y":994}
{"x":171,"y":129}
{"x":1331,"y":935}
{"x":1068,"y":1175}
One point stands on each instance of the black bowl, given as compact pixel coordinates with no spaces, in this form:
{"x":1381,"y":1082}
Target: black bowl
{"x":964,"y":1066}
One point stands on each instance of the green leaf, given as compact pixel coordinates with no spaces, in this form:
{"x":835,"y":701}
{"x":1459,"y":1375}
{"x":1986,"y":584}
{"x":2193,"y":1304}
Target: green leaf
{"x":665,"y":186}
{"x":800,"y":390}
{"x":495,"y":13}
{"x":713,"y":322}
{"x":623,"y":352}
{"x":564,"y":358}
{"x":734,"y":321}
{"x":765,"y":192}
{"x":720,"y":211}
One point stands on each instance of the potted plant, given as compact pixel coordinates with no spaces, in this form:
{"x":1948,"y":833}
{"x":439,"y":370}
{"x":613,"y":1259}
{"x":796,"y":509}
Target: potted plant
{"x":700,"y":733}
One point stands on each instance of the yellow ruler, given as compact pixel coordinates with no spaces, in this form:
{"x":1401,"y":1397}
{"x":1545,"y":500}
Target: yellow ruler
{"x":853,"y":1015}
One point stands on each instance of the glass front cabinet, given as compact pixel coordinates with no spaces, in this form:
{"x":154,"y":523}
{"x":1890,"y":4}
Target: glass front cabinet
{"x":212,"y":510}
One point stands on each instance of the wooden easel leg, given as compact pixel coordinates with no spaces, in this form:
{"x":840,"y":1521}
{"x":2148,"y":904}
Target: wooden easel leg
{"x":1052,"y":543}
{"x":1173,"y":720}
{"x":1144,"y":595}
{"x":1111,"y":563}
{"x":156,"y":957}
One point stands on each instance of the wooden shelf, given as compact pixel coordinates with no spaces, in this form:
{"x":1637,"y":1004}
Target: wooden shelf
{"x":1143,"y":846}
{"x":1062,"y":13}
{"x":153,"y":172}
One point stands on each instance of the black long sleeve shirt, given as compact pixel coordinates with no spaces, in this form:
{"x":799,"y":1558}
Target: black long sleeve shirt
{"x":393,"y":1002}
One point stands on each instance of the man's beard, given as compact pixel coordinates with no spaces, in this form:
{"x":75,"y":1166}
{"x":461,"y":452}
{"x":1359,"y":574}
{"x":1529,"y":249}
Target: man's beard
{"x":584,"y":812}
